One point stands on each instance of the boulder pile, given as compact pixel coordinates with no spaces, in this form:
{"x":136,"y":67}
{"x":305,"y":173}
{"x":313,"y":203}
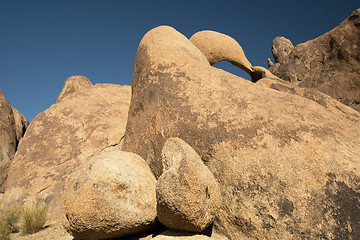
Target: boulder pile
{"x":191,"y":151}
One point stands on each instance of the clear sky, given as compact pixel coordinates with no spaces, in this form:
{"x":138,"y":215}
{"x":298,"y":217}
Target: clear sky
{"x":43,"y":42}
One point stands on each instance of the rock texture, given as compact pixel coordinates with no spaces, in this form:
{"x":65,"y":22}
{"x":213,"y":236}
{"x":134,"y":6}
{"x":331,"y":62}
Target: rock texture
{"x":187,"y":194}
{"x":281,"y":48}
{"x":113,"y":195}
{"x":288,"y":168}
{"x":324,"y":100}
{"x":61,"y":138}
{"x":329,"y":63}
{"x":72,"y":84}
{"x":21,"y":124}
{"x":8,"y":140}
{"x":219,"y":47}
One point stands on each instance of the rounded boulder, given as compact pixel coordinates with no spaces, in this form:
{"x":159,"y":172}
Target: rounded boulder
{"x":188,"y":195}
{"x":111,"y":196}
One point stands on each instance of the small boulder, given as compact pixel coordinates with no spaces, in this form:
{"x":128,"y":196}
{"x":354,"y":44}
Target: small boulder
{"x":111,"y":196}
{"x":281,"y":48}
{"x":187,"y":193}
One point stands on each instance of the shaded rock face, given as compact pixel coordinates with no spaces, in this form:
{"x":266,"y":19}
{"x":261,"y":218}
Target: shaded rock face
{"x":187,"y":193}
{"x":329,"y":63}
{"x":281,"y":47}
{"x":61,"y":138}
{"x":287,"y":166}
{"x":113,"y":195}
{"x":8,"y":139}
{"x":21,"y":124}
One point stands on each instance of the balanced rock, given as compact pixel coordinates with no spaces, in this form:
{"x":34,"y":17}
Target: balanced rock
{"x":329,"y":63}
{"x":113,"y":195}
{"x":187,"y":194}
{"x":72,"y":84}
{"x":8,"y":140}
{"x":287,"y":167}
{"x":281,"y":48}
{"x":218,"y":47}
{"x":62,"y":138}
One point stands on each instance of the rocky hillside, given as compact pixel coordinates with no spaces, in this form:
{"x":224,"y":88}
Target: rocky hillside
{"x":329,"y":63}
{"x":190,"y":151}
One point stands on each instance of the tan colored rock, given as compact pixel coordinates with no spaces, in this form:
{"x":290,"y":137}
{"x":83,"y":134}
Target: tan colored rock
{"x":259,"y":72}
{"x":7,"y":139}
{"x":21,"y":124}
{"x":187,"y":194}
{"x":288,"y":168}
{"x":218,"y":47}
{"x":72,"y":84}
{"x":281,"y":48}
{"x":62,"y":138}
{"x":329,"y":63}
{"x":324,"y":100}
{"x":112,"y":196}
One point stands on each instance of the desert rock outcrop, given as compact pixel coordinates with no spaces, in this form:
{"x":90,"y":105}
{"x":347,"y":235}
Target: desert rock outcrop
{"x":62,"y":138}
{"x":112,"y":196}
{"x":187,"y":194}
{"x":8,"y":139}
{"x":329,"y":63}
{"x":287,"y":167}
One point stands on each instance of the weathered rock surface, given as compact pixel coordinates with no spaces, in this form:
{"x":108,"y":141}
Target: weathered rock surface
{"x":21,"y":124}
{"x":218,"y":47}
{"x":72,"y":84}
{"x":288,"y":168}
{"x":329,"y":63}
{"x":281,"y":48}
{"x":187,"y":193}
{"x":113,"y":195}
{"x":324,"y":100}
{"x":62,"y":138}
{"x":7,"y":138}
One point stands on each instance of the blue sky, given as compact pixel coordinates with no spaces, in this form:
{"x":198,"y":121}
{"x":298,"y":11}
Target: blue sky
{"x":42,"y":43}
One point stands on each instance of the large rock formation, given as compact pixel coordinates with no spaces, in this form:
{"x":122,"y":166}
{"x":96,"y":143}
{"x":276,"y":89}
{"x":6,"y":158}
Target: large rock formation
{"x":113,"y":195}
{"x":187,"y":194}
{"x":287,"y":166}
{"x":329,"y":63}
{"x":62,"y":138}
{"x":8,"y":140}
